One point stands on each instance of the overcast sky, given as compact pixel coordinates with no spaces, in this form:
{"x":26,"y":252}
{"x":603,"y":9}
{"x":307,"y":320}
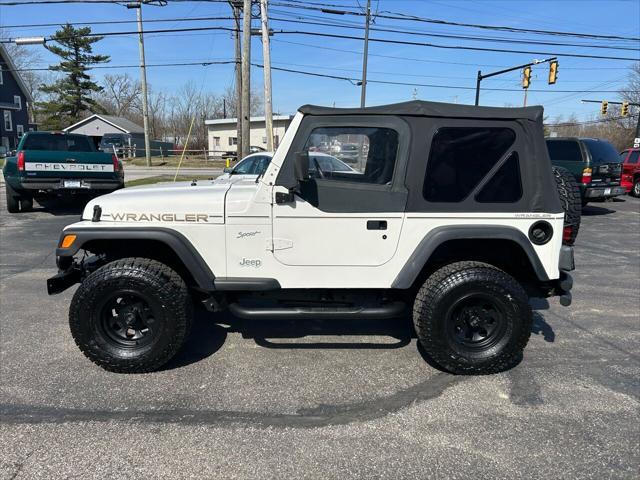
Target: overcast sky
{"x":342,"y":57}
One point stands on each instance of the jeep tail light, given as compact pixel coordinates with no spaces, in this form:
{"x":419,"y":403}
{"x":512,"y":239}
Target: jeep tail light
{"x":586,"y":175}
{"x":116,"y":163}
{"x":20,"y":162}
{"x":566,"y":233}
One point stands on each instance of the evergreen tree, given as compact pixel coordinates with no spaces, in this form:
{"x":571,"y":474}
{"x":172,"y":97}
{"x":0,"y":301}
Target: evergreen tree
{"x":71,"y":95}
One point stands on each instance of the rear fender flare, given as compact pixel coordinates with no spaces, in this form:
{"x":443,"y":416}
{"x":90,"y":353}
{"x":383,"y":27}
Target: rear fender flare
{"x":439,"y":235}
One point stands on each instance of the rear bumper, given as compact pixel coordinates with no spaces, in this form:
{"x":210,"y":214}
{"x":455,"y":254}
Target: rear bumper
{"x":56,"y":184}
{"x":592,"y":193}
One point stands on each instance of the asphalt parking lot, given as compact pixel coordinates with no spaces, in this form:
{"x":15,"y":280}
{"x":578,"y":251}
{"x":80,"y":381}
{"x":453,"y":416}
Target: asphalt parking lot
{"x":324,"y":400}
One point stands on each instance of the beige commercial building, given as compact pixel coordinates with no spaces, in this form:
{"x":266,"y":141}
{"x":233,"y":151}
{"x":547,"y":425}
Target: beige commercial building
{"x":223,"y":136}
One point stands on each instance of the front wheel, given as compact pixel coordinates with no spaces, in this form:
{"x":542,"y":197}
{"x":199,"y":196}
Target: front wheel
{"x":472,"y":318}
{"x":636,"y":188}
{"x":131,"y":315}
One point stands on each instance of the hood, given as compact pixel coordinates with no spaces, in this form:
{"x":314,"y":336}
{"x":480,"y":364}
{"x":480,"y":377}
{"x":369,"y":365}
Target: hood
{"x":163,"y":203}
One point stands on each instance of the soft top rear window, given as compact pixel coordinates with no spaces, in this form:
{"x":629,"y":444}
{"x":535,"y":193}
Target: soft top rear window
{"x":564,"y":150}
{"x":57,"y":142}
{"x":601,"y":151}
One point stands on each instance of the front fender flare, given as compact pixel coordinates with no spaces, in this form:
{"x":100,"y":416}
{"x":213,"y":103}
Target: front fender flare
{"x":182,"y":247}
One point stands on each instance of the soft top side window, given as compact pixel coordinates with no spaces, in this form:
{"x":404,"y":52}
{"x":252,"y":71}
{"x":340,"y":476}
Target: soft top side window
{"x":460,"y":157}
{"x":352,"y":154}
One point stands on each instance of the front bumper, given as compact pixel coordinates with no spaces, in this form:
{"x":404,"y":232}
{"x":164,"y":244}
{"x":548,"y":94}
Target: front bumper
{"x":592,"y":193}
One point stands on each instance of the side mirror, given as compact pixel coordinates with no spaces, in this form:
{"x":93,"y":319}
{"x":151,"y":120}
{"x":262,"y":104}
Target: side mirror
{"x":227,"y":170}
{"x":301,"y":166}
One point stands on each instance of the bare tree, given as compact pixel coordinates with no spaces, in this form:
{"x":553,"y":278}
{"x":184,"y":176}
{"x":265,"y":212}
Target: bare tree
{"x":121,"y":95}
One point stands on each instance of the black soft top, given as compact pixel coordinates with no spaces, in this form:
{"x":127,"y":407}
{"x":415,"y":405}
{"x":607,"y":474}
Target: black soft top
{"x":421,"y":108}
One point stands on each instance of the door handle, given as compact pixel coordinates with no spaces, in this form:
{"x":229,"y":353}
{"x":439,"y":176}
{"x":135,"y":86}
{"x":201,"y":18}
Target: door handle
{"x":376,"y":224}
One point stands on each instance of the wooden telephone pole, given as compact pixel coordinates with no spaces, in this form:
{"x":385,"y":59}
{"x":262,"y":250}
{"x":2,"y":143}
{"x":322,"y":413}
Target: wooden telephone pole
{"x":266,"y":55}
{"x":246,"y":80}
{"x":238,"y":70}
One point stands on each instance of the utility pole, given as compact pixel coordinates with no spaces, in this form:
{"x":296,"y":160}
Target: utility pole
{"x":363,"y":93}
{"x":266,"y":56}
{"x":246,"y":79}
{"x":143,"y":81}
{"x":238,"y":70}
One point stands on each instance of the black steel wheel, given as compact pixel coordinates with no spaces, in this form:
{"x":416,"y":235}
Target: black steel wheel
{"x":472,"y":318}
{"x":475,"y":322}
{"x":127,"y":319}
{"x":131,"y":315}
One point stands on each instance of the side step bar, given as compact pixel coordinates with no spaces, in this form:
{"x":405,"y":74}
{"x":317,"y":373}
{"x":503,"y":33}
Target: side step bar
{"x":389,"y":310}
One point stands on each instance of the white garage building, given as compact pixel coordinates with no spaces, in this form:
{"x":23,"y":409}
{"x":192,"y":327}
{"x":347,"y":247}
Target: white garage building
{"x":223,"y":137}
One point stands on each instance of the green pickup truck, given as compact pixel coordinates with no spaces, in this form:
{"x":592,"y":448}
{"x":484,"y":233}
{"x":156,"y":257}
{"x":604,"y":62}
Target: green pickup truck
{"x":594,"y":163}
{"x":53,"y":163}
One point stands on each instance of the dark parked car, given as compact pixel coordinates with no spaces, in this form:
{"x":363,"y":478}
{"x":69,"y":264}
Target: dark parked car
{"x":594,"y":163}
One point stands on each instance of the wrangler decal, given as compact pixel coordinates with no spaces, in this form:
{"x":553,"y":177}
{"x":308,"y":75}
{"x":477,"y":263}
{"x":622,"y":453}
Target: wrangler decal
{"x":159,"y":217}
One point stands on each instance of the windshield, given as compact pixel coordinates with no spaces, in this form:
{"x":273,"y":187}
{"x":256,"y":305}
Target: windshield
{"x":58,"y":142}
{"x":602,"y":152}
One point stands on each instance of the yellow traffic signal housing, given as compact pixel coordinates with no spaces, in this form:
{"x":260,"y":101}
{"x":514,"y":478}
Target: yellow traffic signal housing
{"x":526,"y":77}
{"x":603,"y":107}
{"x":624,"y":110}
{"x":553,"y":72}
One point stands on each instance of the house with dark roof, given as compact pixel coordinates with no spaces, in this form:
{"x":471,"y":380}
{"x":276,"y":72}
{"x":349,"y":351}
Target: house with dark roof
{"x":14,"y":100}
{"x":126,"y":136}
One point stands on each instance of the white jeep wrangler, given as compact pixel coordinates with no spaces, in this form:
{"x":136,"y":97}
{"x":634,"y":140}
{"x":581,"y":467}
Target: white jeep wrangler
{"x":449,"y":214}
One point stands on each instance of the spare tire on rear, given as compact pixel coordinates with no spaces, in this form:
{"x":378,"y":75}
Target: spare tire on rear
{"x":569,"y":192}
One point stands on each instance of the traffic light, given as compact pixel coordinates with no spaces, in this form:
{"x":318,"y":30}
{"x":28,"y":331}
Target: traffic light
{"x":603,"y":107}
{"x":553,"y":72}
{"x":526,"y":77}
{"x":624,"y":110}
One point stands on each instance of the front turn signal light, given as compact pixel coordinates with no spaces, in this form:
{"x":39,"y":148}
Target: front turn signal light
{"x":67,"y":241}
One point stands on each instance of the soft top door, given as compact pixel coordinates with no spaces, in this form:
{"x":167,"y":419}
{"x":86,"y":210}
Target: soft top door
{"x":350,"y":212}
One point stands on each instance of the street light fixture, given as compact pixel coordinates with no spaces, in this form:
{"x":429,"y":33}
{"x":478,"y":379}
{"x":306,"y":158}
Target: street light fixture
{"x":29,"y":41}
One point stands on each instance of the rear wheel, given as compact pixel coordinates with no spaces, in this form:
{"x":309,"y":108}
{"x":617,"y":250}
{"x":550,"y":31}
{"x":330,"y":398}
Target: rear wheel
{"x":131,"y":315}
{"x":26,"y":204}
{"x":13,"y":199}
{"x":472,"y":318}
{"x":572,"y":204}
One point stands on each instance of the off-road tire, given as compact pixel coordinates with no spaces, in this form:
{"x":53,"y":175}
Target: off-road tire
{"x":460,"y":282}
{"x":569,"y":192}
{"x":13,"y":199}
{"x":162,"y":288}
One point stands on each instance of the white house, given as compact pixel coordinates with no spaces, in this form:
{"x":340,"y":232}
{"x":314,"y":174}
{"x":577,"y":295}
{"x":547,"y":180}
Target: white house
{"x":223,"y":136}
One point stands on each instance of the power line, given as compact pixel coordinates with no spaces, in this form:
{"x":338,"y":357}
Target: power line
{"x":352,"y":80}
{"x":460,"y":37}
{"x":414,"y":59}
{"x":451,"y":47}
{"x":402,"y":16}
{"x":299,"y":19}
{"x":353,"y":37}
{"x":589,"y":122}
